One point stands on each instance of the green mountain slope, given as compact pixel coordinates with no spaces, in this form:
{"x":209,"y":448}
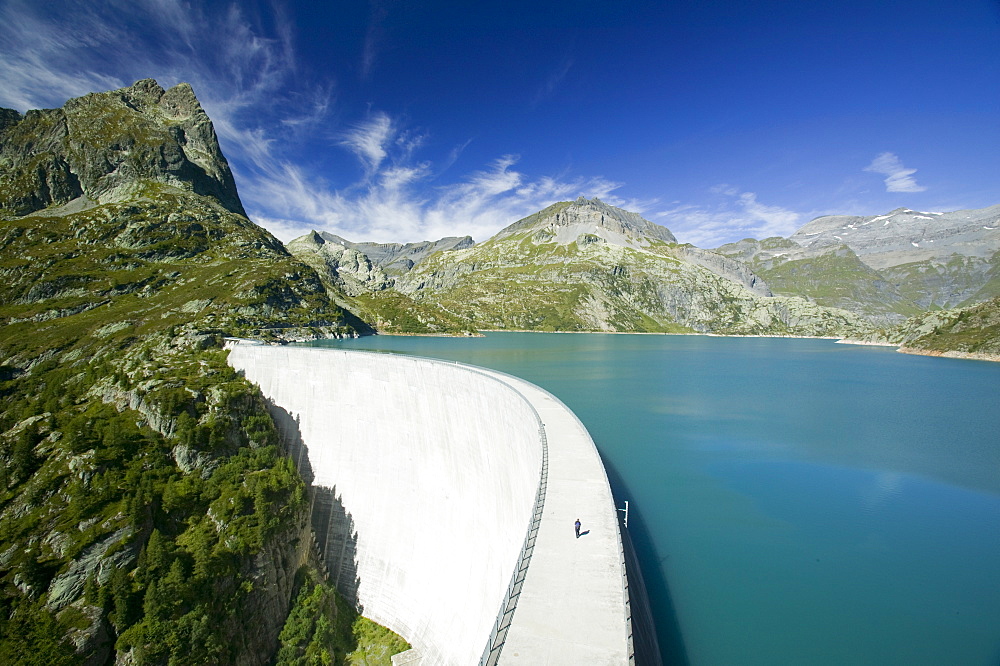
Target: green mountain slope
{"x":588,"y":266}
{"x":831,"y":275}
{"x":356,"y":282}
{"x":148,"y":511}
{"x":972,"y":332}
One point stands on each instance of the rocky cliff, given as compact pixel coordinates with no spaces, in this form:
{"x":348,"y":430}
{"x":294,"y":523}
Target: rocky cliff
{"x":363,"y":284}
{"x":106,"y":147}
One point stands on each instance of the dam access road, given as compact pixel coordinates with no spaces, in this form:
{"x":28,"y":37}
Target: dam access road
{"x":452,"y":493}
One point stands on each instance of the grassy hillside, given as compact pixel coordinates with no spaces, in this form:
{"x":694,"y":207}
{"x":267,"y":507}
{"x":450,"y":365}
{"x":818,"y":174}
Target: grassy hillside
{"x":973,"y":331}
{"x":147,"y":510}
{"x":527,"y":278}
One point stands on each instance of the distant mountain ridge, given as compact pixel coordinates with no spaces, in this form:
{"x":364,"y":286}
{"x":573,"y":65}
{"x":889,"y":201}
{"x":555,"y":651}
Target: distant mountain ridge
{"x":631,"y":274}
{"x":567,"y":221}
{"x":397,"y":258}
{"x":363,"y":283}
{"x":885,"y":267}
{"x":587,"y":265}
{"x":905,"y":236}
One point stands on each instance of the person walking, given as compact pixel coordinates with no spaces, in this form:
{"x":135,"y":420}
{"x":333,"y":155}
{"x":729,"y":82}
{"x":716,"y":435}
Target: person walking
{"x":576,"y":526}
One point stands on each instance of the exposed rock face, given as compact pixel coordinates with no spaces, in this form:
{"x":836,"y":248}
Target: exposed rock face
{"x":591,"y":219}
{"x":93,"y":560}
{"x":398,"y":258}
{"x":905,"y":236}
{"x":724,"y":267}
{"x":110,"y":147}
{"x":8,"y":117}
{"x":585,"y":265}
{"x":272,"y":573}
{"x":349,"y":268}
{"x":92,"y":643}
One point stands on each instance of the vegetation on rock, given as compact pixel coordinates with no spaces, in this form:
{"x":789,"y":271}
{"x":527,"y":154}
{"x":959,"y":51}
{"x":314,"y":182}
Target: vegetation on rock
{"x":148,"y":512}
{"x":972,"y":332}
{"x":362,"y":286}
{"x":323,"y":629}
{"x":587,"y":266}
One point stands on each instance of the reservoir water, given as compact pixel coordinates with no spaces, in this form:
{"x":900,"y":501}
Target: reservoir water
{"x":792,"y":501}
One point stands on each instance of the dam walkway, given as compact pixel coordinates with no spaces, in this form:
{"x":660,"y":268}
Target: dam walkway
{"x":571,"y":608}
{"x":433,"y":474}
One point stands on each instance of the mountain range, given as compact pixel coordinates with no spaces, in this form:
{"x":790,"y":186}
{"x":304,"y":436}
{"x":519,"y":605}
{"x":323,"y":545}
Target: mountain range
{"x":149,"y":512}
{"x":586,"y":265}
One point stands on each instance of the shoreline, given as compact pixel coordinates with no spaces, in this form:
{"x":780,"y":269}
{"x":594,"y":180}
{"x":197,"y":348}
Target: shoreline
{"x":965,"y":356}
{"x":970,"y":356}
{"x":866,"y":343}
{"x":430,"y":335}
{"x":693,"y":333}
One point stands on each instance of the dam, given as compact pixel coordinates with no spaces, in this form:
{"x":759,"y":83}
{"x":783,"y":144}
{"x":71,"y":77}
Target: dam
{"x":445,"y":500}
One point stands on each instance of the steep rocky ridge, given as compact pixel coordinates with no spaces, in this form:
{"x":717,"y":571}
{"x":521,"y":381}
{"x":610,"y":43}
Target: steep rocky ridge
{"x":398,"y":258}
{"x":103,"y":147}
{"x":565,"y":222}
{"x":359,"y":283}
{"x":352,"y":270}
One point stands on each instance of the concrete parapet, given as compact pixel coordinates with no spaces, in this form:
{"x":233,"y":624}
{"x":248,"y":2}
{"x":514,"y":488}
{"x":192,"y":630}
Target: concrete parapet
{"x":425,"y":477}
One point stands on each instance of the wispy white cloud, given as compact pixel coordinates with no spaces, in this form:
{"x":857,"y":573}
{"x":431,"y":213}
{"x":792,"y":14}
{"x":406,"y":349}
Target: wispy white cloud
{"x":400,"y":201}
{"x":734,"y":215}
{"x":367,"y":140}
{"x":553,"y":81}
{"x":251,"y":86}
{"x":37,"y":69}
{"x":374,"y":34}
{"x":897,"y":177}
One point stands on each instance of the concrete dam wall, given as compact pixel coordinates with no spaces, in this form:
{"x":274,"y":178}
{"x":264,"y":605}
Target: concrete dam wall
{"x":425,"y":477}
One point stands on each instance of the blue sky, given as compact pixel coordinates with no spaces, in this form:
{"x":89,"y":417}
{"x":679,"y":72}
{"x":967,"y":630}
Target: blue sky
{"x":405,"y":121}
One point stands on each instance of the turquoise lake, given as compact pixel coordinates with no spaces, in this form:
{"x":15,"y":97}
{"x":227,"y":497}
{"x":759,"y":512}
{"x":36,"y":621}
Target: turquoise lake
{"x":792,"y":501}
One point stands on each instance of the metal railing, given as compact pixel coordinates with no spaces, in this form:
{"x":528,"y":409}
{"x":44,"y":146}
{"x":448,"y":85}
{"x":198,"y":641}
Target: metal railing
{"x":625,"y":590}
{"x":491,"y":655}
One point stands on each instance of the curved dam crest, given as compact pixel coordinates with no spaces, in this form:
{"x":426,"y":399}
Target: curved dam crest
{"x":431,"y":471}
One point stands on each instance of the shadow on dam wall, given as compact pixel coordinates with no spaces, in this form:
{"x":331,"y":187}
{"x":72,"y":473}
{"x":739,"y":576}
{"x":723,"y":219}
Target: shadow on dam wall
{"x":656,"y":631}
{"x":332,"y":525}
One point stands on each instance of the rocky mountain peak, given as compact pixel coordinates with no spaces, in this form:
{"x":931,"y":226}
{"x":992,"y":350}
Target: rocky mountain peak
{"x":590,"y":220}
{"x":112,"y":146}
{"x":8,"y":117}
{"x":395,"y":258}
{"x":903,"y":236}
